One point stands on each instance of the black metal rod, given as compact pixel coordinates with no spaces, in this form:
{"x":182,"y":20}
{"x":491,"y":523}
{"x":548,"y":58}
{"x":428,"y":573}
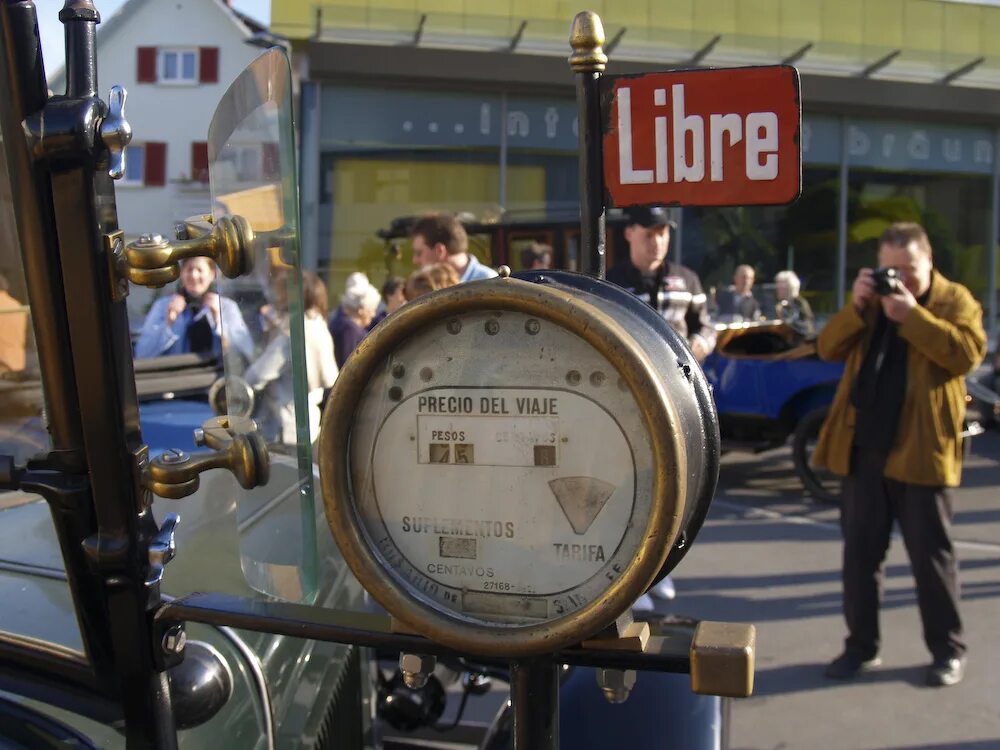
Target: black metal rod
{"x":664,"y":653}
{"x":534,"y":695}
{"x":80,"y":18}
{"x":592,"y":230}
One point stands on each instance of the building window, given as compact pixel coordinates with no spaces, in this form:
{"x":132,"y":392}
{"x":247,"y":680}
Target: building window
{"x":135,"y":165}
{"x":178,"y":66}
{"x":199,"y":161}
{"x":145,"y":164}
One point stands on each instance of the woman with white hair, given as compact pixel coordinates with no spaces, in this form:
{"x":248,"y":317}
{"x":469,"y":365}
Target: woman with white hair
{"x":358,"y":307}
{"x":793,"y":309}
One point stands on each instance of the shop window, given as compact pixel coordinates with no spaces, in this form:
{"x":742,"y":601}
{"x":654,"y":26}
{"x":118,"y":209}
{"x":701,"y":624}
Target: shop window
{"x":801,"y":237}
{"x":953,"y":209}
{"x":362,"y":194}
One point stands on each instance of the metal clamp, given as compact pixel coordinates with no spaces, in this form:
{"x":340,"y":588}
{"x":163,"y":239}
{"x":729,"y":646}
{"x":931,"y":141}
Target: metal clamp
{"x":153,"y":261}
{"x":162,"y":549}
{"x":235,"y":445}
{"x":115,"y":132}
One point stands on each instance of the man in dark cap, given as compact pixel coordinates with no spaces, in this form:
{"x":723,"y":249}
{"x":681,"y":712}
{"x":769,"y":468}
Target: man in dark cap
{"x":670,"y":288}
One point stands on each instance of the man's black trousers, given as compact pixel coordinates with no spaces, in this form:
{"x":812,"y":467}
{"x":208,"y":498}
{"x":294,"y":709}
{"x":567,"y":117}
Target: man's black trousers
{"x":870,"y":504}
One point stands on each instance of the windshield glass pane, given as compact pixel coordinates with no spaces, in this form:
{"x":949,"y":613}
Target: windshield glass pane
{"x":252,"y":174}
{"x":23,"y":433}
{"x":30,"y":555}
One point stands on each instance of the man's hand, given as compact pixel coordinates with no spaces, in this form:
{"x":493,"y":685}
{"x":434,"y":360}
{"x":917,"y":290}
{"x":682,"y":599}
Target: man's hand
{"x":897,"y":305}
{"x":175,"y":307}
{"x":863,"y":289}
{"x":699,"y":347}
{"x":211,"y":301}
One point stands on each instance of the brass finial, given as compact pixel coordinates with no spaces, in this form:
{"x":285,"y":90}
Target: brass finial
{"x":586,"y":37}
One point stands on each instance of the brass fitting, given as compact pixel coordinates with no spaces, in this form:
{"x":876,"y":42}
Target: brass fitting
{"x":616,"y":684}
{"x":416,"y":669}
{"x":154,"y":261}
{"x":586,"y":37}
{"x":235,"y":446}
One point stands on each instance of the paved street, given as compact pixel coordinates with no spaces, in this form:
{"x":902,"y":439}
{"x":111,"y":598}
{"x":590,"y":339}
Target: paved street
{"x":771,"y":556}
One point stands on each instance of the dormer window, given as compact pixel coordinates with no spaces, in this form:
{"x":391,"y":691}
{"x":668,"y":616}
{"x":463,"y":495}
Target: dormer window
{"x":178,"y":65}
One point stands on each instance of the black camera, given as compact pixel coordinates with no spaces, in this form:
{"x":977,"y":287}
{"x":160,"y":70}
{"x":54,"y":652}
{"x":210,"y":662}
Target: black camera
{"x":886,"y":281}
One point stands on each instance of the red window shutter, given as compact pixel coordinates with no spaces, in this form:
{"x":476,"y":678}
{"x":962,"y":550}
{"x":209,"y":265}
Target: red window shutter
{"x":156,"y":164}
{"x":146,"y":65}
{"x":199,"y":161}
{"x":208,"y":64}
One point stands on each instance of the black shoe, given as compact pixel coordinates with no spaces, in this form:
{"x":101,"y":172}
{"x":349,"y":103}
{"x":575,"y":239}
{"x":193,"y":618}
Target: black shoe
{"x":946,"y":672}
{"x":847,"y":666}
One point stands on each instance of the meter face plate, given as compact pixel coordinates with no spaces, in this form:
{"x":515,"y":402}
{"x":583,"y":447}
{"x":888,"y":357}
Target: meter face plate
{"x":501,"y":470}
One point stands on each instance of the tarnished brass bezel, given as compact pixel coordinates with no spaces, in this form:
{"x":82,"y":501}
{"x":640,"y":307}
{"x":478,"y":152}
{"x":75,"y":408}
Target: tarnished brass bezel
{"x":608,"y":337}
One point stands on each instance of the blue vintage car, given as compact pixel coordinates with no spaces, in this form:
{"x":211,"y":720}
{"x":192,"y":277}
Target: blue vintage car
{"x":770,"y":385}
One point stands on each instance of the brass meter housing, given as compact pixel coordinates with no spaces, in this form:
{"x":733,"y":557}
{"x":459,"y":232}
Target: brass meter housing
{"x":507,"y":465}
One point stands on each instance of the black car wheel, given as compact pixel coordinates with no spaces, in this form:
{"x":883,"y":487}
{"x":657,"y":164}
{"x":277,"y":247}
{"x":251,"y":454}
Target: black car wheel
{"x":820,"y":483}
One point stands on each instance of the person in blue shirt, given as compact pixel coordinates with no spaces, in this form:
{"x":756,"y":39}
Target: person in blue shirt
{"x":194,"y":318}
{"x":441,"y":238}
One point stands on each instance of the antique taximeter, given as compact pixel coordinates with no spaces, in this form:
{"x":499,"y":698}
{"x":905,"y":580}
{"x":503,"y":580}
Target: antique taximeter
{"x":507,"y":464}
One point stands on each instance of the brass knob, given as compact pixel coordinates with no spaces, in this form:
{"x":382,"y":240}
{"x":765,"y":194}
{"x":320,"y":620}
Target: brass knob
{"x":237,"y":447}
{"x":154,"y":261}
{"x":586,"y":37}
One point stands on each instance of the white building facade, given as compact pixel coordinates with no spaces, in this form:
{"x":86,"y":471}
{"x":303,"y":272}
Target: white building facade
{"x":176,"y":59}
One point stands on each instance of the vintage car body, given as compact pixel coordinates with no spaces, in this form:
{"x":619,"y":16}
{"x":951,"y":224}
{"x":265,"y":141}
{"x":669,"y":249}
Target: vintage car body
{"x":766,"y":378}
{"x":770,"y":385}
{"x":286,"y":692}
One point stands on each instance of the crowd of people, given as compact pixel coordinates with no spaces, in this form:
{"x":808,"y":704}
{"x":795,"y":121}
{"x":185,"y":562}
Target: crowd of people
{"x":893,"y":430}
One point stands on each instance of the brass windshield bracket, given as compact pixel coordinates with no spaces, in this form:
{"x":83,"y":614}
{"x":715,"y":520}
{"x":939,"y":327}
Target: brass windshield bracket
{"x":234,"y":445}
{"x":153,"y":261}
{"x":114,"y":247}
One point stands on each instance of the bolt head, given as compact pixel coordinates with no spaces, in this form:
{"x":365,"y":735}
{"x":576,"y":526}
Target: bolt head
{"x":416,"y":668}
{"x":174,"y":640}
{"x":174,"y":456}
{"x":150,"y":238}
{"x":616,"y":683}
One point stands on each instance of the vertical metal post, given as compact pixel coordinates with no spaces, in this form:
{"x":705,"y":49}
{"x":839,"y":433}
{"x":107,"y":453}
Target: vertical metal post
{"x":80,"y":18}
{"x":842,"y":217}
{"x":309,"y":177}
{"x":588,"y":61}
{"x":993,"y":238}
{"x":677,"y":239}
{"x":534,"y":695}
{"x":502,"y":188}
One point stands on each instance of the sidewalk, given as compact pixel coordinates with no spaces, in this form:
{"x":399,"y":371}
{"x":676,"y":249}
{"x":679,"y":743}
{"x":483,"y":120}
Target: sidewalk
{"x":772,"y":557}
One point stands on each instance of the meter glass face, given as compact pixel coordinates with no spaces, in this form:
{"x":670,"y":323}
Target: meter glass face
{"x":252,"y":175}
{"x":501,"y":469}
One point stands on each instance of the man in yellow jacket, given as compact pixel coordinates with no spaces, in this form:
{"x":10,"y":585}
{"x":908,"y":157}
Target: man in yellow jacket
{"x":893,"y":433}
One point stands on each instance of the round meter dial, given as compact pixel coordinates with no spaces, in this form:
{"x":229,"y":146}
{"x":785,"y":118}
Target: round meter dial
{"x":526,"y":489}
{"x":500,"y":468}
